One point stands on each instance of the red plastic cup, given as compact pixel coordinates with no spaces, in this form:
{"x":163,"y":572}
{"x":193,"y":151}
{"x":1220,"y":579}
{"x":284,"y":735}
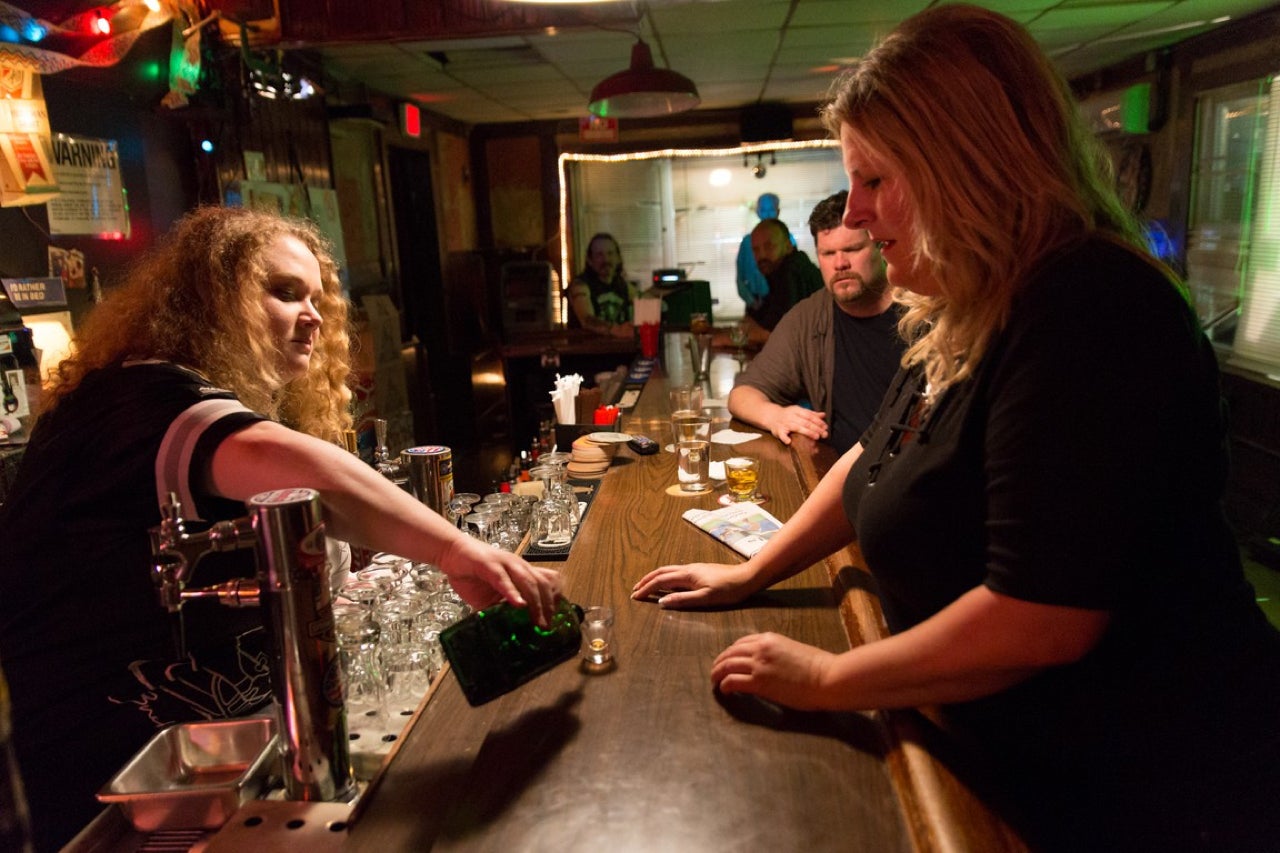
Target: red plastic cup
{"x":649,"y":340}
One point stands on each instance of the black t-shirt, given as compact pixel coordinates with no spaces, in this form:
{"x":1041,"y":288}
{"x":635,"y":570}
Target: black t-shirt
{"x":610,"y":300}
{"x":1083,"y":465}
{"x":795,"y":278}
{"x":867,"y":353}
{"x":86,"y":647}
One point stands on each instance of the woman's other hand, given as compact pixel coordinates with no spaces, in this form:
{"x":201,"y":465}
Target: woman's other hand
{"x":776,"y":668}
{"x":695,"y":585}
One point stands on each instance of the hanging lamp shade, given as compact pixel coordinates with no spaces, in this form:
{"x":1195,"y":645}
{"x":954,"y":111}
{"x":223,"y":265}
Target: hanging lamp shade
{"x":643,"y":90}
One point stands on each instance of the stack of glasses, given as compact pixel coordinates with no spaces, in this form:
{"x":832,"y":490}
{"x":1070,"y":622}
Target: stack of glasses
{"x":388,"y":618}
{"x":501,"y":519}
{"x":556,"y":515}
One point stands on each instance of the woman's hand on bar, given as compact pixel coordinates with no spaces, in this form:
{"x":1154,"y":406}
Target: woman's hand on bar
{"x":776,"y":668}
{"x":696,"y":585}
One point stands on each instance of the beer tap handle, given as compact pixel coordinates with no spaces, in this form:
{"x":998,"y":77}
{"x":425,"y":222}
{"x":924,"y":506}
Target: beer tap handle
{"x":239,"y":592}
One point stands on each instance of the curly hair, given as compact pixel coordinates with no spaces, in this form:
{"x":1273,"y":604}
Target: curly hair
{"x":195,"y":299}
{"x":996,"y":165}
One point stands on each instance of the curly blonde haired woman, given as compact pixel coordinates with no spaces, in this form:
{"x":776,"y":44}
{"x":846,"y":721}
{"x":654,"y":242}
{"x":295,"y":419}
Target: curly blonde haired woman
{"x":1039,"y":497}
{"x":216,"y":371}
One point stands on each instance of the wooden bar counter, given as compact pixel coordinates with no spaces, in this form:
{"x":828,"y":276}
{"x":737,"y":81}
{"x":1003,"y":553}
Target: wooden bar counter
{"x":646,"y":756}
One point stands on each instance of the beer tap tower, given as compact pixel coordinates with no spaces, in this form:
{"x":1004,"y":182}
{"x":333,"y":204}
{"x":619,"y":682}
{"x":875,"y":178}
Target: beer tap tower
{"x":285,"y":530}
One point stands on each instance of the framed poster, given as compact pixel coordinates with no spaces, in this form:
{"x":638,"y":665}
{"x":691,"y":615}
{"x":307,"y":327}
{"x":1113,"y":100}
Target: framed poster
{"x":92,"y":197}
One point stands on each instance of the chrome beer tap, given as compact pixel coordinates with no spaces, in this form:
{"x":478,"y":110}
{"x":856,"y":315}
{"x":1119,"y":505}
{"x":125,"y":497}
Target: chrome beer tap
{"x":176,"y":553}
{"x":285,"y":529}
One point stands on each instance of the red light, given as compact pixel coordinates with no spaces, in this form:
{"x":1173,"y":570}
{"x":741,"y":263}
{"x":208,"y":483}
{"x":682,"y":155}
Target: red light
{"x":411,"y":120}
{"x":101,"y":24}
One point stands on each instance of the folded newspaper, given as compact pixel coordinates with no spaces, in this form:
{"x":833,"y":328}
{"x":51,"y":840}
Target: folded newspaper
{"x":744,"y":527}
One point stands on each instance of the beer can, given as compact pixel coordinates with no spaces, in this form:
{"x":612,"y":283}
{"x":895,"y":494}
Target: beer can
{"x":430,"y":474}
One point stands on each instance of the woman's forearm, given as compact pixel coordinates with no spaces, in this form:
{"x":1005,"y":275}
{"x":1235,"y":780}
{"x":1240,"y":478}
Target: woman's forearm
{"x":981,"y":644}
{"x":360,"y":505}
{"x":818,"y":528}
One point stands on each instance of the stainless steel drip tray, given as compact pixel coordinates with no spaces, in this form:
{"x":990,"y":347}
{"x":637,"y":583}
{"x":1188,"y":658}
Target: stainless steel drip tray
{"x":282,"y":826}
{"x":195,"y":775}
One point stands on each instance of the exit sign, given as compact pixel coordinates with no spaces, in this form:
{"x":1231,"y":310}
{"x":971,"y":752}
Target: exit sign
{"x":597,"y":129}
{"x":410,"y":120}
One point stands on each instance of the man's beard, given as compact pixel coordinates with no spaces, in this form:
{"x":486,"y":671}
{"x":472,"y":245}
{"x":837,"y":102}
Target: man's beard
{"x":864,"y":292}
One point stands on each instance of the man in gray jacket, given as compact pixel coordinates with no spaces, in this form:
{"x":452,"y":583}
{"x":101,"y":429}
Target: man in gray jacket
{"x":827,"y":364}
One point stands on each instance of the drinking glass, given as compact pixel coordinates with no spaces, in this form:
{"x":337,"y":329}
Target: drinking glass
{"x":522,"y":511}
{"x":387,"y":577}
{"x":365,"y":593}
{"x":685,"y":398}
{"x":358,"y":637}
{"x":738,"y":337}
{"x":403,"y":654}
{"x":482,"y":520}
{"x":430,"y":581}
{"x":690,"y":426}
{"x":551,"y":526}
{"x":700,"y":353}
{"x":597,"y":635}
{"x":743,"y":476}
{"x":459,"y":506}
{"x":556,"y":457}
{"x":694,"y":464}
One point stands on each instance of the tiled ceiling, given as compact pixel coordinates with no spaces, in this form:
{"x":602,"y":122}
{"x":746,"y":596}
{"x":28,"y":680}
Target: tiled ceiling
{"x":738,"y":52}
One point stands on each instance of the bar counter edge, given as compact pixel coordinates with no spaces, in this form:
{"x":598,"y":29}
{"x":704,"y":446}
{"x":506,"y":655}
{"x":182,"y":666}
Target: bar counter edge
{"x":942,"y":810}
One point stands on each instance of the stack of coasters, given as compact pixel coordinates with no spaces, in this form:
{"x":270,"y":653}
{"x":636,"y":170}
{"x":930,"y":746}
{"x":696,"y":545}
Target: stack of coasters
{"x":590,"y":458}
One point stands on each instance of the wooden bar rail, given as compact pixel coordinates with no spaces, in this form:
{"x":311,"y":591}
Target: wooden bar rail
{"x":647,"y":756}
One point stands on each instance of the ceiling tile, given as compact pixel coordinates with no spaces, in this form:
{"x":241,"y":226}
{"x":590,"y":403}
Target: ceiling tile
{"x":736,"y":51}
{"x":1099,"y":15}
{"x":826,"y":13}
{"x":720,"y":18}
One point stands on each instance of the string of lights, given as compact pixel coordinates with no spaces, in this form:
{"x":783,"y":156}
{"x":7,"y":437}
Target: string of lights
{"x":96,"y":37}
{"x":566,"y":262}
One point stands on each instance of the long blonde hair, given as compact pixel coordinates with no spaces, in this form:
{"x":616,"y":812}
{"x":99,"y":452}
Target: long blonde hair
{"x":196,"y":299}
{"x":997,"y":167}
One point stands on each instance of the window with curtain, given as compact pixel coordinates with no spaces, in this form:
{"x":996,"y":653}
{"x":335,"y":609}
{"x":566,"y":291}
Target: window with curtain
{"x":691,"y":209}
{"x":1233,"y":236}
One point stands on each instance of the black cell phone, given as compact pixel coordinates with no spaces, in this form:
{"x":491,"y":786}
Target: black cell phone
{"x":497,"y":649}
{"x":643,"y":445}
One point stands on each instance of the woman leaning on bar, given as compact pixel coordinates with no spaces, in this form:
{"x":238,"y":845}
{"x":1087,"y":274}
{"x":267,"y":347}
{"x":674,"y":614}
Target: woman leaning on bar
{"x":1039,"y":497}
{"x":217,"y":371}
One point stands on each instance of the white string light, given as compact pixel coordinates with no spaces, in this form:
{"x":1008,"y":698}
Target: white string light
{"x":744,"y":150}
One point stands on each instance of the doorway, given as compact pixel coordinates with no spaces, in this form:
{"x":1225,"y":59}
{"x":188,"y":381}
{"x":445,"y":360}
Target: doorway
{"x":438,"y":354}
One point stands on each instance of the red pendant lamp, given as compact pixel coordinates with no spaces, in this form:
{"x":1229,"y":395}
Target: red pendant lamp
{"x":643,"y":90}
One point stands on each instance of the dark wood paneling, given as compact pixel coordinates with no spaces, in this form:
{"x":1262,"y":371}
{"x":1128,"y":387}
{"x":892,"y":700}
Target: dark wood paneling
{"x":119,"y":102}
{"x":293,"y":135}
{"x":416,"y":20}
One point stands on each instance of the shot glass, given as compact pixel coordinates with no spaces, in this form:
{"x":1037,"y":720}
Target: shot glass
{"x":597,"y":635}
{"x":693,"y":459}
{"x":743,"y":476}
